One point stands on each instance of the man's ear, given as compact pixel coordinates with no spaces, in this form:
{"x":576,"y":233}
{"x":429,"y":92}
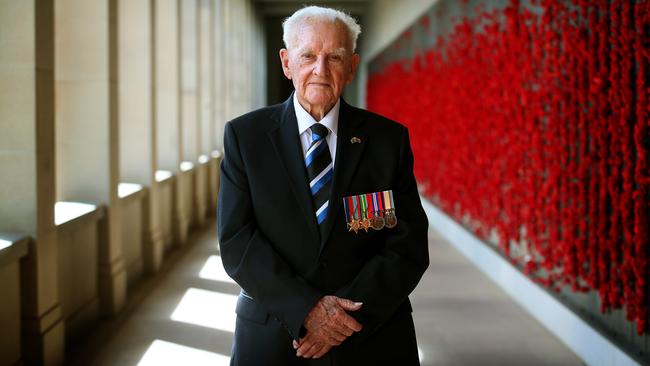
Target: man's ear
{"x":354,"y":65}
{"x":284,"y":59}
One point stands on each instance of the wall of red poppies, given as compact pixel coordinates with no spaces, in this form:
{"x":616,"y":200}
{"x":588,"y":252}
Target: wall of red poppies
{"x":530,"y":124}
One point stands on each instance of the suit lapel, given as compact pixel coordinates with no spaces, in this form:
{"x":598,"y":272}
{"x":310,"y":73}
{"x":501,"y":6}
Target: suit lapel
{"x":348,"y":155}
{"x":287,"y":145}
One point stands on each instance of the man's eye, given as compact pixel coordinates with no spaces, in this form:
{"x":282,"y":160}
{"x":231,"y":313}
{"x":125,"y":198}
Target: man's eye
{"x":336,"y":58}
{"x":307,"y":56}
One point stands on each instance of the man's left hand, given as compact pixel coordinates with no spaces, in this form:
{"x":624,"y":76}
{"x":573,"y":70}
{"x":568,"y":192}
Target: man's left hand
{"x":328,"y":325}
{"x":310,"y":347}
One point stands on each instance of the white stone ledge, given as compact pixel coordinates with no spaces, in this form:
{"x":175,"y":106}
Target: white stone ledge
{"x":67,"y":215}
{"x":216,"y":154}
{"x":586,"y":342}
{"x":128,"y":191}
{"x":164,"y":176}
{"x":12,"y":248}
{"x":186,"y":166}
{"x":203,"y":159}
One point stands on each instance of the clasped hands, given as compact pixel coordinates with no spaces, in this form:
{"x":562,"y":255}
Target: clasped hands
{"x":328,"y":324}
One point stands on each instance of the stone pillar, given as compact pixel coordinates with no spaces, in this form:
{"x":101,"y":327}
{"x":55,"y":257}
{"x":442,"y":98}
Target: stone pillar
{"x":137,"y":125}
{"x":206,"y":71}
{"x":190,"y":92}
{"x":239,"y":87}
{"x":218,"y":116}
{"x":227,"y":86}
{"x":168,"y":108}
{"x":217,"y":121}
{"x":87,"y":127}
{"x":204,"y":98}
{"x":27,"y":161}
{"x":169,"y":58}
{"x":247,"y":70}
{"x":190,"y":112}
{"x":258,"y":69}
{"x":166,"y":84}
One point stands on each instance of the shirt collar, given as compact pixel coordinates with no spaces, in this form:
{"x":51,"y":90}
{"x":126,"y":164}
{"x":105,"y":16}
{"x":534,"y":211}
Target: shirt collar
{"x":305,"y":120}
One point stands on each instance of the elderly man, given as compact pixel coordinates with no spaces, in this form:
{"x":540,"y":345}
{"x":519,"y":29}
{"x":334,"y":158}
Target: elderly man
{"x":320,"y":220}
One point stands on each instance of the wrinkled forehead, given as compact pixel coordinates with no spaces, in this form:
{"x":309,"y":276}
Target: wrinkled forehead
{"x":322,"y":33}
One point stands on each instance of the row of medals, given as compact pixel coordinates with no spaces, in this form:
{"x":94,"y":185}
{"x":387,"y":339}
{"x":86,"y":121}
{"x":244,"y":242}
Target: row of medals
{"x":379,"y":220}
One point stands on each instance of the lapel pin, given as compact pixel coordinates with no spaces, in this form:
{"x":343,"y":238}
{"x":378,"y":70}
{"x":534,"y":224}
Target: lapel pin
{"x":355,"y":140}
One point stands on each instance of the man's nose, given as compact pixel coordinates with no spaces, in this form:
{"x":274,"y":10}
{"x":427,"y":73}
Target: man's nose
{"x":320,"y":67}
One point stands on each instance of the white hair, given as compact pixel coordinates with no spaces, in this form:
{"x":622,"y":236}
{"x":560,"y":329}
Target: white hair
{"x":312,"y":13}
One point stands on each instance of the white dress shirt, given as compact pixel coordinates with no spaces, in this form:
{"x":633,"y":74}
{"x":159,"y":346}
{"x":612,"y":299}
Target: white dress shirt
{"x":305,"y":120}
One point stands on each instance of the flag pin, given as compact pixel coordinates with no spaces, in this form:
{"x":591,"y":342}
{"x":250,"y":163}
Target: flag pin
{"x":355,"y":140}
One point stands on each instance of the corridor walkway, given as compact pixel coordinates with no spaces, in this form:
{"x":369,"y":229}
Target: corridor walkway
{"x":186,"y":317}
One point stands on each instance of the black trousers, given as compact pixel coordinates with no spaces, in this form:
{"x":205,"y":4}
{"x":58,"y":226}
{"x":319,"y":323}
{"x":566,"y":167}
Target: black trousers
{"x":262,"y":343}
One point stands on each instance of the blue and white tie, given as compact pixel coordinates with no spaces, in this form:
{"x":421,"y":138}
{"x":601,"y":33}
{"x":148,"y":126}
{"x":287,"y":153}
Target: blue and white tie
{"x":319,"y":171}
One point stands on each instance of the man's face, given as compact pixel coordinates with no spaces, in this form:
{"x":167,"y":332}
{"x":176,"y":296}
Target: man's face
{"x":320,"y":63}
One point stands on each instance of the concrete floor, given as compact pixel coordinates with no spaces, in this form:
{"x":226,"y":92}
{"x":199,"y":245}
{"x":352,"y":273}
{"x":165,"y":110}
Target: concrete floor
{"x":185,"y":316}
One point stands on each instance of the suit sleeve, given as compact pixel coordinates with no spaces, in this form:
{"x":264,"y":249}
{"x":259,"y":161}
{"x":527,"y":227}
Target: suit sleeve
{"x":386,"y":280}
{"x":248,"y":256}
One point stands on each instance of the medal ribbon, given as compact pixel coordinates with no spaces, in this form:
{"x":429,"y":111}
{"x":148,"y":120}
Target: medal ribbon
{"x":370,"y":202}
{"x":392,"y":202}
{"x":364,"y":205}
{"x":347,"y":210}
{"x":387,"y":201}
{"x":355,"y":207}
{"x":375,"y":204}
{"x":351,"y":208}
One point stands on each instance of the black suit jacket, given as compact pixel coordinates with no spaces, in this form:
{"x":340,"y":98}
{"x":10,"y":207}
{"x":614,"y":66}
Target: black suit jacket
{"x":269,"y":238}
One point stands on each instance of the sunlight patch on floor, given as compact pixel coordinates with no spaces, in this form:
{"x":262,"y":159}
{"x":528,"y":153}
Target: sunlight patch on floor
{"x":213,"y":270}
{"x":162,"y":353}
{"x":207,"y":309}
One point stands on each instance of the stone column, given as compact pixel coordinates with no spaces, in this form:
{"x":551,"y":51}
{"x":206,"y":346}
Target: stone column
{"x":190,"y":112}
{"x":247,"y":70}
{"x":190,"y":88}
{"x":215,"y":140}
{"x":169,"y":141}
{"x":204,"y":97}
{"x":137,"y":125}
{"x":87,"y":127}
{"x":166,"y":84}
{"x":227,"y":31}
{"x":27,"y":161}
{"x":218,"y":116}
{"x":206,"y":71}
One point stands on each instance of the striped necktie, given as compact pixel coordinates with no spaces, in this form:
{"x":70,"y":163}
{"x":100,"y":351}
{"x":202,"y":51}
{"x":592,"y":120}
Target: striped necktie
{"x":319,"y":171}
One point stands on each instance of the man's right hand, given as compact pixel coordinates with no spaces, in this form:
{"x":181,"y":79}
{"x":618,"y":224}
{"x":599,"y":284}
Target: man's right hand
{"x":328,"y":324}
